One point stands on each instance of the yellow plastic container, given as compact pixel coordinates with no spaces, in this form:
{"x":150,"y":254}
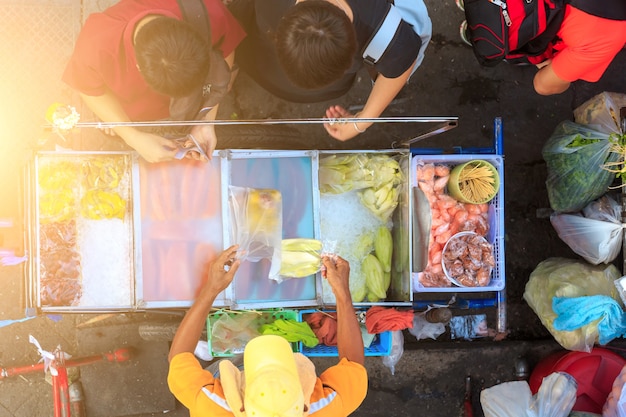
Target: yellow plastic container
{"x":453,"y":183}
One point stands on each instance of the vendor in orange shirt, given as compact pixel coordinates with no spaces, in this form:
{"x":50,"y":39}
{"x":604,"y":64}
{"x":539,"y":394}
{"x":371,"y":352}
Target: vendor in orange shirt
{"x":587,"y":45}
{"x":278,"y":382}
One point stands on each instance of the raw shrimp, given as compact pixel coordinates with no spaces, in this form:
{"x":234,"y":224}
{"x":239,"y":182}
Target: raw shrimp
{"x":473,"y":208}
{"x":472,"y":266}
{"x":426,"y":173}
{"x":440,"y":183}
{"x":442,"y":170}
{"x":483,"y":276}
{"x":456,"y":249}
{"x":466,"y":280}
{"x":456,"y":268}
{"x":448,"y":217}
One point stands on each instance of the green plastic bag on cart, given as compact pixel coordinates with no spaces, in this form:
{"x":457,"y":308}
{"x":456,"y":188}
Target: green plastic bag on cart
{"x":560,"y":277}
{"x":575,"y":156}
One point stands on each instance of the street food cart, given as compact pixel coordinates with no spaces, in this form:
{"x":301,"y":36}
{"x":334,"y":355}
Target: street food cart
{"x":109,"y":232}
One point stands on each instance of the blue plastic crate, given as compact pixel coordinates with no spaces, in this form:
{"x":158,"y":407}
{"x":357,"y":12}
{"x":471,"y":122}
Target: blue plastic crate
{"x":380,"y":346}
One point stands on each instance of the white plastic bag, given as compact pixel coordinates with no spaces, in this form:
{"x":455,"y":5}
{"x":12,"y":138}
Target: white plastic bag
{"x":422,"y":328}
{"x":596,"y":234}
{"x":508,"y":399}
{"x":556,"y":396}
{"x":257,"y":225}
{"x":615,"y":405}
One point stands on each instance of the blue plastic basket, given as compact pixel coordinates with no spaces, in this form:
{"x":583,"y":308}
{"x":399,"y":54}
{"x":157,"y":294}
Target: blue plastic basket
{"x":265,"y":316}
{"x":380,"y":346}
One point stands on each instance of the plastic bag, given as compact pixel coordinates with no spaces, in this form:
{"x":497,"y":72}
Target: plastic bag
{"x":230,"y":334}
{"x":559,"y":277}
{"x":469,"y":327}
{"x":422,"y":328}
{"x":508,"y":399}
{"x":556,"y":396}
{"x":615,"y":405}
{"x":575,"y":156}
{"x":257,"y":225}
{"x":602,"y":111}
{"x":397,"y":349}
{"x":302,"y":257}
{"x":595,"y":234}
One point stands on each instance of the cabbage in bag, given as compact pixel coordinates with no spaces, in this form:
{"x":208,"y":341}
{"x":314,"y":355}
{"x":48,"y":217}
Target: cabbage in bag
{"x":559,"y":277}
{"x":575,"y":156}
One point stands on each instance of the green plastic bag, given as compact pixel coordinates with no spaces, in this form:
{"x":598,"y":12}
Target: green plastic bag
{"x":560,"y":277}
{"x":575,"y":155}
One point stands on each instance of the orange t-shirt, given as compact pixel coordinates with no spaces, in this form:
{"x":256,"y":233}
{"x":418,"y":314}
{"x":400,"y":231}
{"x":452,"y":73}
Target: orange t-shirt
{"x":588,"y":46}
{"x":339,"y":390}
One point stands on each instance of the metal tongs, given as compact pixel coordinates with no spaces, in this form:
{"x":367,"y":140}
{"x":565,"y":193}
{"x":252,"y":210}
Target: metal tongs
{"x":182,"y":150}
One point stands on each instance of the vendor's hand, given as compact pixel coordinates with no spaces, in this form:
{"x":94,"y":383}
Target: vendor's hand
{"x":337,"y":274}
{"x":338,"y":130}
{"x":221,"y":272}
{"x":205,"y":135}
{"x":151,"y":147}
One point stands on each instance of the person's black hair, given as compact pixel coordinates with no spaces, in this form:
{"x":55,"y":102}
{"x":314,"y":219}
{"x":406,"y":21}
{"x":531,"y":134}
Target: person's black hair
{"x":172,"y":57}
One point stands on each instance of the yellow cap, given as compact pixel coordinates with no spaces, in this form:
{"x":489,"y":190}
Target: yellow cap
{"x":273,"y":387}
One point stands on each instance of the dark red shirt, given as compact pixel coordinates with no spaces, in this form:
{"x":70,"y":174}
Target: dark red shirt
{"x":104,"y":57}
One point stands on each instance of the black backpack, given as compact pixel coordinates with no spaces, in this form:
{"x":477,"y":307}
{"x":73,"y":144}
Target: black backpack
{"x":523,"y":31}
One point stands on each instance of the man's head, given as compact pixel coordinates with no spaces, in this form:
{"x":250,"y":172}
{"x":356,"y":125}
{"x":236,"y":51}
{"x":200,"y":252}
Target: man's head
{"x":315,"y":43}
{"x":273,"y":387}
{"x":172,"y":57}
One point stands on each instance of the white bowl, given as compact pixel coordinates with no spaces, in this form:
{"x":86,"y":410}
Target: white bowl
{"x":479,"y":274}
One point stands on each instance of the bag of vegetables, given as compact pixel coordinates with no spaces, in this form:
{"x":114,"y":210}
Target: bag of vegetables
{"x":577,"y":156}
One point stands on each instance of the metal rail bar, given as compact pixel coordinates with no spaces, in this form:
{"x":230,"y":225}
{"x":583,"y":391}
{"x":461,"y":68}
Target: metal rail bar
{"x":160,"y":123}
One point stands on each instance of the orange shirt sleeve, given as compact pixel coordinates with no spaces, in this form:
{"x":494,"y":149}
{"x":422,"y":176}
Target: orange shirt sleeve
{"x":589,"y":45}
{"x":196,"y":388}
{"x":340,"y":390}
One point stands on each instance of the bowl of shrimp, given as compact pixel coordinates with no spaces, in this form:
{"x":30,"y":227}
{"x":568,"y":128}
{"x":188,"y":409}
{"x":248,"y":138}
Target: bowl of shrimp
{"x":467,"y":260}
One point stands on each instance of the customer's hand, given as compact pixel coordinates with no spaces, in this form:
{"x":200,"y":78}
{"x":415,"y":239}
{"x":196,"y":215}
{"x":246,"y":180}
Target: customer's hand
{"x":205,"y":135}
{"x":221,"y":272}
{"x":151,"y":147}
{"x":338,"y":275}
{"x":342,"y":130}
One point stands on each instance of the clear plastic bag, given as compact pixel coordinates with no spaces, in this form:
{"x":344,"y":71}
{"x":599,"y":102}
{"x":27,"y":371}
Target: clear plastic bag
{"x":423,"y":329}
{"x":576,"y":156}
{"x":602,"y":111}
{"x":397,"y":349}
{"x":556,"y":396}
{"x":257,"y":225}
{"x":615,"y":405}
{"x":230,"y":334}
{"x":559,"y":277}
{"x":596,"y":233}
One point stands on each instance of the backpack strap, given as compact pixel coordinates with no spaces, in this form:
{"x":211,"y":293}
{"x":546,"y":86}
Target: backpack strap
{"x":196,"y":14}
{"x":217,"y":81}
{"x":379,"y":42}
{"x":607,"y":9}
